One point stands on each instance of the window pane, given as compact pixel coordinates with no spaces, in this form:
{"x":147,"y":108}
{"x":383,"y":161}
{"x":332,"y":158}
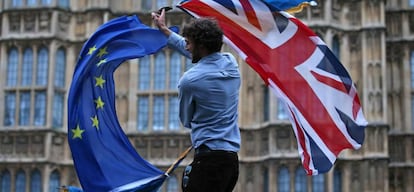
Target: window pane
{"x":172,"y":184}
{"x":27,"y":67}
{"x":337,"y":180}
{"x":60,"y":68}
{"x":40,"y":108}
{"x":146,"y":5}
{"x":142,"y":113}
{"x":300,"y":180}
{"x":162,"y":3}
{"x":281,"y":110}
{"x":318,"y":183}
{"x":412,"y":69}
{"x":5,"y":181}
{"x":42,"y":67}
{"x":10,"y":109}
{"x":175,"y":70}
{"x":24,"y":116}
{"x":54,"y":182}
{"x":12,"y":67}
{"x":283,"y":180}
{"x":63,"y":3}
{"x":17,"y":3}
{"x":265,"y":180}
{"x":46,"y":2}
{"x":158,"y":113}
{"x":31,"y":2}
{"x":159,"y":72}
{"x":20,"y":182}
{"x":336,"y":47}
{"x":266,"y":104}
{"x":144,"y":73}
{"x":173,"y":121}
{"x":412,"y":3}
{"x":35,"y":182}
{"x":58,"y":103}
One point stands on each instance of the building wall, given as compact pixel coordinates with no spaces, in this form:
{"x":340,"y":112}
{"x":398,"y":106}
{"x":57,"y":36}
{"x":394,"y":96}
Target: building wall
{"x":372,"y":38}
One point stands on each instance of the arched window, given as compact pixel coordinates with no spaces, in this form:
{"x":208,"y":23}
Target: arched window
{"x":60,"y":68}
{"x":20,"y":181}
{"x":175,"y":69}
{"x":159,"y":71}
{"x":12,"y":65}
{"x":144,"y":73}
{"x":24,"y":115}
{"x":5,"y":181}
{"x":40,"y":108}
{"x":10,"y":109}
{"x":42,"y":66}
{"x":142,"y":113}
{"x":58,"y":104}
{"x":54,"y":181}
{"x":172,"y":184}
{"x":336,"y":47}
{"x":35,"y":181}
{"x":337,"y":180}
{"x":283,"y":180}
{"x":158,"y":113}
{"x":300,"y":180}
{"x":318,"y":183}
{"x":27,"y":67}
{"x":173,"y":121}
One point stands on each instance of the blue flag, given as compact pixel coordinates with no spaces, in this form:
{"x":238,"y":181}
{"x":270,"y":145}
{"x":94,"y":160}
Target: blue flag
{"x":104,"y":158}
{"x":285,"y":5}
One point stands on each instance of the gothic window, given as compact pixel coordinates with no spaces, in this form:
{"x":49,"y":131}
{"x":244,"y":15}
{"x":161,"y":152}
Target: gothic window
{"x":173,"y":123}
{"x":40,"y":108}
{"x":158,"y":113}
{"x":265,"y":180}
{"x":159,"y":71}
{"x":300,"y":180}
{"x":12,"y":67}
{"x":336,"y":47}
{"x":283,"y":180}
{"x":144,"y":73}
{"x":175,"y":69}
{"x":10,"y":109}
{"x":54,"y":181}
{"x":5,"y":181}
{"x":266,"y":103}
{"x":318,"y":183}
{"x":146,"y":5}
{"x":58,"y":104}
{"x":27,"y":67}
{"x":337,"y":180}
{"x":24,"y":114}
{"x":46,"y":2}
{"x":17,"y":3}
{"x":35,"y":181}
{"x":172,"y":184}
{"x":60,"y":68}
{"x":412,"y":3}
{"x":63,"y":3}
{"x":143,"y":113}
{"x":161,"y":3}
{"x":20,"y":181}
{"x":42,"y":66}
{"x":31,"y":2}
{"x":281,"y":110}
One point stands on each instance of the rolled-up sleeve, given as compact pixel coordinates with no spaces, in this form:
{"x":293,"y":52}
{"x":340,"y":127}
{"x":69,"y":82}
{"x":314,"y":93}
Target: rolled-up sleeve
{"x":178,"y":43}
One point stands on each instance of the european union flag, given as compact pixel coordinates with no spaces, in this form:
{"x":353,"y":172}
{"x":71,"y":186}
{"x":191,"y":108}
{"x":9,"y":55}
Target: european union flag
{"x":104,"y":158}
{"x":288,"y":5}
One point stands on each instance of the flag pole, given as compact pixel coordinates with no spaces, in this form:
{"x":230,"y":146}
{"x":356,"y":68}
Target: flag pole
{"x":178,"y":161}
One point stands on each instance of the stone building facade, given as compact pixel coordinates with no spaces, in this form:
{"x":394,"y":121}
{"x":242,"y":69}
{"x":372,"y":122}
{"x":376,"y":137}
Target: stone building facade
{"x":40,"y":41}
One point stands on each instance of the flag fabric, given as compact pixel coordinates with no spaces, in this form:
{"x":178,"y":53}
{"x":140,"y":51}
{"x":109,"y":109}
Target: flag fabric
{"x":104,"y":158}
{"x":316,"y":89}
{"x":289,"y":5}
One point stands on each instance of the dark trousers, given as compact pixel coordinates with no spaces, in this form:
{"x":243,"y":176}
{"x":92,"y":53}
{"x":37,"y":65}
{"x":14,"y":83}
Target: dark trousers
{"x":213,"y":171}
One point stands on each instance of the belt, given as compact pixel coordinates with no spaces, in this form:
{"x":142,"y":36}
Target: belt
{"x":203,"y":149}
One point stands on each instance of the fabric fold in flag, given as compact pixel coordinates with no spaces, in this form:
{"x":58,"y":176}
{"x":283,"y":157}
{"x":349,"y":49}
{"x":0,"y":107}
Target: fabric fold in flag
{"x":315,"y":88}
{"x":104,"y":158}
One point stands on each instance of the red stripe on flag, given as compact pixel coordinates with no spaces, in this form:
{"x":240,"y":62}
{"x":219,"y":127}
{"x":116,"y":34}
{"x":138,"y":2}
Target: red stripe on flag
{"x":331,"y":82}
{"x":301,"y":142}
{"x":250,"y":13}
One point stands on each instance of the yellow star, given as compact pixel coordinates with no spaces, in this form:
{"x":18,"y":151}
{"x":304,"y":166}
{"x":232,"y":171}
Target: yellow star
{"x":102,"y":61}
{"x":102,"y":52}
{"x":91,"y":50}
{"x":99,"y":103}
{"x":77,"y":133}
{"x":95,"y":122}
{"x":99,"y":81}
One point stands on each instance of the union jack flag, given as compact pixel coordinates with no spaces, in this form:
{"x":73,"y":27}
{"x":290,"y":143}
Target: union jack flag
{"x":317,"y":91}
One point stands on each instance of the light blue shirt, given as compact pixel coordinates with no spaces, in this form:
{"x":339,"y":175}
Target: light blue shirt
{"x":208,"y":99}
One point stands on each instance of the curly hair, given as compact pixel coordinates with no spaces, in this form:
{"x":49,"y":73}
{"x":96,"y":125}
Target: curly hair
{"x":205,"y":32}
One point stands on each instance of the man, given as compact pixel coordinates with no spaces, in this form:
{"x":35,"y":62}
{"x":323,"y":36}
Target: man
{"x":208,"y":105}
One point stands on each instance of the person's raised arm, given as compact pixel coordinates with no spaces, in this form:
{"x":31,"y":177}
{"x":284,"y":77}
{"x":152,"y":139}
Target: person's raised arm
{"x":159,"y":20}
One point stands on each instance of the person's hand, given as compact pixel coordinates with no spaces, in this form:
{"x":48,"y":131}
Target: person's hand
{"x":159,"y":21}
